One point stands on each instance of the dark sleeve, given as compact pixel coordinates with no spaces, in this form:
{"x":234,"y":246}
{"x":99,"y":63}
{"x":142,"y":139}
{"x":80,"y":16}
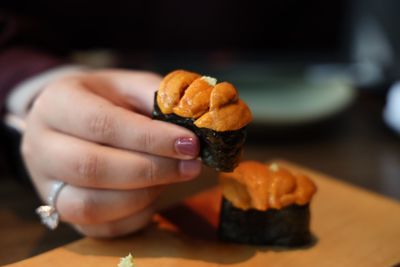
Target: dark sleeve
{"x":18,"y":63}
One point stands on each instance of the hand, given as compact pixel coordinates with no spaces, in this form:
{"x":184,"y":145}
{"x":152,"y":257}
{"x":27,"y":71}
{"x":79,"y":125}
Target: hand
{"x":93,"y":131}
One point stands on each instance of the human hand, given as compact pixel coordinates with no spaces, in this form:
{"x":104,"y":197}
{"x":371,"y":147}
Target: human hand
{"x":93,"y":131}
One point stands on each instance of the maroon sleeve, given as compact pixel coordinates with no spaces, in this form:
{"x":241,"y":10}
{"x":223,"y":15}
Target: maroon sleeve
{"x":18,"y":63}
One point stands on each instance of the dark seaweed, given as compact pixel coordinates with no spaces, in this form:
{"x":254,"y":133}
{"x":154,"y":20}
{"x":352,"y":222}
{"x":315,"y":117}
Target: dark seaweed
{"x":219,"y":150}
{"x":287,"y":227}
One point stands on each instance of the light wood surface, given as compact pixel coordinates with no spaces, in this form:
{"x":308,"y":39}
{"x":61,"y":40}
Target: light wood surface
{"x":352,"y":227}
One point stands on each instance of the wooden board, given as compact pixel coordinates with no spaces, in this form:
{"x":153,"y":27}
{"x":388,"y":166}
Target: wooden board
{"x":353,"y":227}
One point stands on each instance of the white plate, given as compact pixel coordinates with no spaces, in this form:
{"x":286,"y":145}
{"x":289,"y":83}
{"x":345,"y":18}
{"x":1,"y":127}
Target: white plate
{"x":280,"y":96}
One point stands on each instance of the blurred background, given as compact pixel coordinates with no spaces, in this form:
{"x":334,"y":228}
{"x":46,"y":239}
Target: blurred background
{"x":319,"y":76}
{"x":316,"y":75}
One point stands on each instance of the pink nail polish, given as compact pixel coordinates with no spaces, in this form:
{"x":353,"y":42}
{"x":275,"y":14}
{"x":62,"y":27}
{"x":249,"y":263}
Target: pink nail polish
{"x":187,"y":146}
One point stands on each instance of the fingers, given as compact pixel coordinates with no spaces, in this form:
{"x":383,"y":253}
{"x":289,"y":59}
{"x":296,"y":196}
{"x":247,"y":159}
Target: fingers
{"x":91,"y":132}
{"x":119,"y":227}
{"x":106,"y":213}
{"x":72,"y":109}
{"x":85,"y":164}
{"x":92,"y":206}
{"x":136,"y":87}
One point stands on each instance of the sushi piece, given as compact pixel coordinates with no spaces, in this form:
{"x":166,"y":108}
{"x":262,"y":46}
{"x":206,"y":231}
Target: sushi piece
{"x":213,"y":111}
{"x":265,"y":205}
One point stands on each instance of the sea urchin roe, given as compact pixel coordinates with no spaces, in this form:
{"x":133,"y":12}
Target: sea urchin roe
{"x":223,"y":94}
{"x":227,"y":118}
{"x":214,"y":106}
{"x":195,"y":100}
{"x":172,"y":88}
{"x":227,"y":111}
{"x":254,"y":185}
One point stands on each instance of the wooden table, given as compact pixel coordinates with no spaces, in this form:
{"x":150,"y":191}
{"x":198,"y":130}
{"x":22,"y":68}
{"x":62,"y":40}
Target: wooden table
{"x":352,"y":227}
{"x":356,"y":148}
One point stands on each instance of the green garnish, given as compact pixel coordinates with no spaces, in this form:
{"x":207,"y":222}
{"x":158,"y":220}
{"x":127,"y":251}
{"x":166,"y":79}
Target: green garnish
{"x":126,"y":261}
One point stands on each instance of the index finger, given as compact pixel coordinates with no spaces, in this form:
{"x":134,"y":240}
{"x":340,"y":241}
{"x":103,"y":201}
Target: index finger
{"x":72,"y":109}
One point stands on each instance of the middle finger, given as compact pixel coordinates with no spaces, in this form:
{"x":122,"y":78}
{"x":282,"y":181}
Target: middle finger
{"x":85,"y":164}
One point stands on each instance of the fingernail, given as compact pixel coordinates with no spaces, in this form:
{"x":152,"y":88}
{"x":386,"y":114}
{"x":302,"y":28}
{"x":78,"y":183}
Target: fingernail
{"x":187,"y":146}
{"x":189,"y":168}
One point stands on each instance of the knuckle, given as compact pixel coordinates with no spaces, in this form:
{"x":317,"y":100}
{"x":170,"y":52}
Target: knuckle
{"x":48,"y":92}
{"x":147,"y":141}
{"x":150,"y":170}
{"x":87,"y":167}
{"x":102,"y":125}
{"x":40,"y":102}
{"x":43,"y":100}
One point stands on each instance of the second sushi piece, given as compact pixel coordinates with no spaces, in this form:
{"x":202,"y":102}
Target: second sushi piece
{"x":265,"y":205}
{"x":213,"y":111}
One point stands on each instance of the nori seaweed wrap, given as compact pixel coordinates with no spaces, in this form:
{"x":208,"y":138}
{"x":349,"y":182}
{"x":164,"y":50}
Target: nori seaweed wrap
{"x":212,"y":111}
{"x":264,"y":205}
{"x":287,"y":227}
{"x":219,"y":150}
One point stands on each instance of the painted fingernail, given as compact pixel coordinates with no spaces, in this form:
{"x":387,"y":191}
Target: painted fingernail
{"x":189,"y":168}
{"x":187,"y":146}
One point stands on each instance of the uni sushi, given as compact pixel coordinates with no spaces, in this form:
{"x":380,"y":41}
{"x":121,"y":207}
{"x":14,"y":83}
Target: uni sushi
{"x":265,"y":205}
{"x":213,"y":111}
